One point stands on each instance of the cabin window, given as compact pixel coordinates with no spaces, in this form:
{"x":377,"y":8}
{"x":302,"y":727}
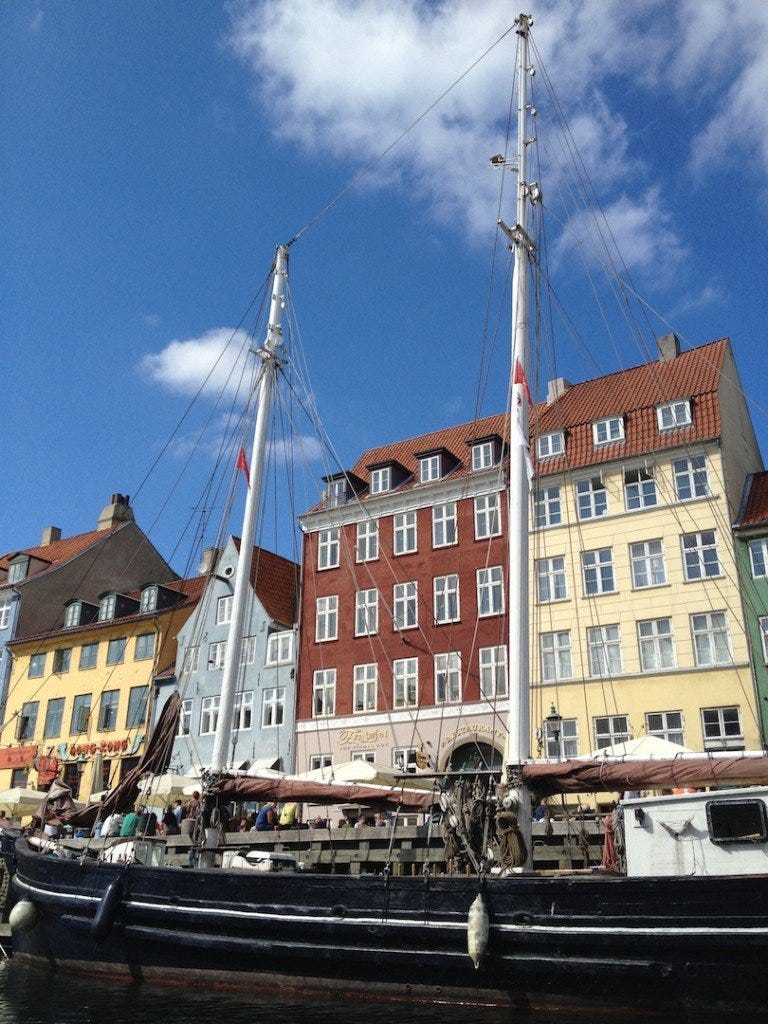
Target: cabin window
{"x":674,"y":414}
{"x":328,"y":548}
{"x":608,"y":430}
{"x":367,"y":548}
{"x":547,"y":510}
{"x":551,"y":580}
{"x":365,"y":684}
{"x":550,"y":445}
{"x":737,"y":821}
{"x":405,"y":682}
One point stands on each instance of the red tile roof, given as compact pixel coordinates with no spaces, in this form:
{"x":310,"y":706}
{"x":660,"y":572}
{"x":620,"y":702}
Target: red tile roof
{"x":60,"y":551}
{"x":634,"y":394}
{"x":756,"y":507}
{"x":276,"y":582}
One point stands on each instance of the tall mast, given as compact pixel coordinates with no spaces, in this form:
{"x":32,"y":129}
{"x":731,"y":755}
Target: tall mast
{"x":518,"y":496}
{"x":242,"y":588}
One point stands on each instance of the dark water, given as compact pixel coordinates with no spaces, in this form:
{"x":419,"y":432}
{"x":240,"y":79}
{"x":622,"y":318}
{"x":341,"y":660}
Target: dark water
{"x":40,"y":996}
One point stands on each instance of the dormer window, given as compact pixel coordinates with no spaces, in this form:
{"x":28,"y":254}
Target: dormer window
{"x":107,"y":607}
{"x":18,"y":568}
{"x":550,"y":445}
{"x":672,"y":415}
{"x":430,"y":468}
{"x":482,"y":455}
{"x":381,"y":480}
{"x":608,"y":430}
{"x":148,"y":600}
{"x":78,"y":613}
{"x":337,"y":493}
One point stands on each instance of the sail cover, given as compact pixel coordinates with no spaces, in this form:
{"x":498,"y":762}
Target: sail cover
{"x":284,"y":788}
{"x":601,"y":775}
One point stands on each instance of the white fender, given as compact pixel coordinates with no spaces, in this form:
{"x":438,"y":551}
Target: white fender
{"x":23,"y":916}
{"x":478,"y":928}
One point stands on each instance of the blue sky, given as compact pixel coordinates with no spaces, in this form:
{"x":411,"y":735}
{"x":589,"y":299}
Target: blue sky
{"x":155,"y":154}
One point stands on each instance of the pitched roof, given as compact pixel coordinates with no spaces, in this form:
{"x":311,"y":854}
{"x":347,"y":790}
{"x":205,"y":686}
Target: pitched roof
{"x":275,"y":581}
{"x":60,"y":551}
{"x":755,"y":511}
{"x":634,"y":395}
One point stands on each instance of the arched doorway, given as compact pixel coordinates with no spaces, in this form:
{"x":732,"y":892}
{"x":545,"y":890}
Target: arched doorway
{"x":476,"y":756}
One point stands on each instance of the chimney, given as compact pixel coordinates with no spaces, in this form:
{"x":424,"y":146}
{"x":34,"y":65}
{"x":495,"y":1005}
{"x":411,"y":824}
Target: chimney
{"x":556,"y":388}
{"x":116,"y":512}
{"x":669,"y":347}
{"x":50,"y":535}
{"x":208,"y":561}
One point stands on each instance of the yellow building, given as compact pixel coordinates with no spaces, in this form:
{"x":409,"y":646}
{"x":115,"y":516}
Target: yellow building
{"x":637,"y":622}
{"x":81,"y":694}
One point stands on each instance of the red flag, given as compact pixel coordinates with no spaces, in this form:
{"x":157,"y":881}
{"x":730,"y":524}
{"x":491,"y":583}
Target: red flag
{"x":242,"y":463}
{"x":520,"y":378}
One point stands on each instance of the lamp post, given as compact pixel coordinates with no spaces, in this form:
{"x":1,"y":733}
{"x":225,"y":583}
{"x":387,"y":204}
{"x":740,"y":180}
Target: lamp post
{"x":554,"y":722}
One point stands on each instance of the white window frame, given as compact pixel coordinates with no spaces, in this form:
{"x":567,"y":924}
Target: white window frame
{"x":673,"y":415}
{"x":547,"y":507}
{"x":758,"y":557}
{"x":336,"y":493}
{"x":448,"y":678}
{"x":724,"y":719}
{"x":185,"y":718}
{"x":483,"y":455}
{"x":144,"y":648}
{"x":328,"y":548}
{"x":365,"y":685}
{"x":711,"y":639}
{"x":405,"y":683}
{"x":430,"y":468}
{"x":591,"y":498}
{"x":490,"y":591}
{"x":107,"y":606}
{"x":556,"y":656}
{"x":763,"y":626}
{"x":366,"y":612}
{"x":216,"y":654}
{"x":604,"y":651}
{"x":381,"y":480}
{"x":487,"y":516}
{"x":608,"y":430}
{"x":18,"y":569}
{"x":191,"y":660}
{"x":272,"y":707}
{"x":318,"y":761}
{"x":691,"y":478}
{"x":446,"y":599}
{"x":640,"y":492}
{"x":646,"y":557}
{"x":444,"y":525}
{"x":72,"y":614}
{"x":148,"y":599}
{"x":248,"y":650}
{"x":369,"y":756}
{"x":323,"y":693}
{"x":492,"y":672}
{"x":562,"y":738}
{"x":656,"y":644}
{"x":550,"y":445}
{"x":209,"y":714}
{"x":597,"y":572}
{"x":551,"y":579}
{"x":224,"y":609}
{"x":701,"y":560}
{"x":367,"y":542}
{"x":611,"y":729}
{"x":404,"y":759}
{"x":404,"y":532}
{"x":279,"y":647}
{"x":405,"y":605}
{"x":663,"y":725}
{"x":242,"y":711}
{"x":326,"y":618}
{"x":5,"y":613}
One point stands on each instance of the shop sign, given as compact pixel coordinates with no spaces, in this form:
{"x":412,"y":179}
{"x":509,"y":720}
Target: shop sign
{"x":120,"y":748}
{"x":363,"y":738}
{"x":474,"y":731}
{"x":17,"y":757}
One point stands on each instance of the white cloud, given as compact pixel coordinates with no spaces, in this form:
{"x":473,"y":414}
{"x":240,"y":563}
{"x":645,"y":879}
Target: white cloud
{"x":212,"y":362}
{"x":37,"y":22}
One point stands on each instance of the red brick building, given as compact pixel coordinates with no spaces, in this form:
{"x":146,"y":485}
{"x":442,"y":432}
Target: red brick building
{"x":403,"y":626}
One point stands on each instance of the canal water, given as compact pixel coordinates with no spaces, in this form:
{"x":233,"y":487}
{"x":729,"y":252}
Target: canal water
{"x":42,"y":996}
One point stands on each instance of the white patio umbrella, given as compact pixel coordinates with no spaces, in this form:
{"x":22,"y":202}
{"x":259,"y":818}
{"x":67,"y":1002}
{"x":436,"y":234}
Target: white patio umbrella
{"x":19,"y":802}
{"x":364,"y":772}
{"x":162,"y":789}
{"x":643,"y":746}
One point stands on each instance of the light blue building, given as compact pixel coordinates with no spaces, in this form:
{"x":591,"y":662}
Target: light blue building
{"x":263,"y":723}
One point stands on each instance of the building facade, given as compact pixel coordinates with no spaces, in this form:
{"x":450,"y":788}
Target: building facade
{"x":751,"y":533}
{"x":263,"y":726}
{"x":79,"y":695}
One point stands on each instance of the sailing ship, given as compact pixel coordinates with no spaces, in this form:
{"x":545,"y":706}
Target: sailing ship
{"x":685,"y":922}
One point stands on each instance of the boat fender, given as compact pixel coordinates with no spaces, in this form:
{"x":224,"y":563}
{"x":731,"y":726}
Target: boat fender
{"x":23,"y":916}
{"x":106,"y":911}
{"x":478,"y":928}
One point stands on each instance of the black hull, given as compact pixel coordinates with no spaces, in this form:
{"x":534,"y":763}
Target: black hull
{"x":669,"y":941}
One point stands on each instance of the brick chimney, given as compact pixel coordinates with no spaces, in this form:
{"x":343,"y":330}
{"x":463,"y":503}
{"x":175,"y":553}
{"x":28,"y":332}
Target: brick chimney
{"x":116,"y":512}
{"x":50,"y":535}
{"x":208,"y":561}
{"x":669,"y":347}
